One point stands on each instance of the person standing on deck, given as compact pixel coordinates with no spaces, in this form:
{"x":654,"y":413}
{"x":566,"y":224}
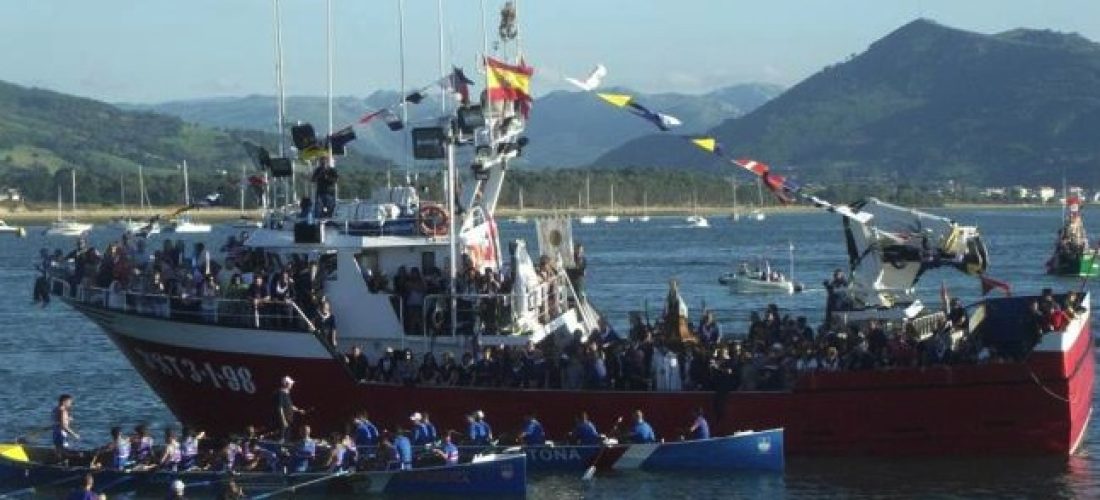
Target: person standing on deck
{"x":325,"y":177}
{"x":284,"y":408}
{"x":62,"y":418}
{"x":480,"y":432}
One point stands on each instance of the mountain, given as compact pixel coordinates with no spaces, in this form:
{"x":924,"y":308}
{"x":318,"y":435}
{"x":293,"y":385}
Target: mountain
{"x":44,"y":134}
{"x":566,"y":128}
{"x":925,"y":102}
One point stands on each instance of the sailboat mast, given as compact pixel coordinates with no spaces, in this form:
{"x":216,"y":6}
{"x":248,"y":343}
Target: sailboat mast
{"x":122,"y":189}
{"x":280,"y":96}
{"x":141,"y":187}
{"x":404,"y":106}
{"x":242,"y":182}
{"x":186,"y":186}
{"x":74,"y":191}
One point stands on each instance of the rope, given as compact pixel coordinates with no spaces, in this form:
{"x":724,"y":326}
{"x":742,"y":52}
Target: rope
{"x":1045,"y":389}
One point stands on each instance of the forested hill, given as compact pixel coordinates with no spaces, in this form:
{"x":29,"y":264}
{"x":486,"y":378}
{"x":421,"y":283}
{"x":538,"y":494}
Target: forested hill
{"x":926,"y":102}
{"x":45,"y":134}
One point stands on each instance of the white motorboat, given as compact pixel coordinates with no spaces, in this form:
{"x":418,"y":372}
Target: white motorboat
{"x":760,"y":277}
{"x":184,"y":225}
{"x":14,"y":230}
{"x":68,"y":226}
{"x":699,"y":221}
{"x":758,"y":215}
{"x":645,"y":209}
{"x":588,"y":219}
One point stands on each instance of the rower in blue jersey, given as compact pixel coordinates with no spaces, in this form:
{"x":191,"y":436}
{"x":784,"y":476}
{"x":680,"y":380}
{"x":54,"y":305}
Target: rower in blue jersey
{"x":343,"y":456}
{"x":189,"y":449}
{"x":256,"y":457}
{"x":699,"y":428}
{"x":366,"y":435}
{"x":532,"y":434}
{"x":448,"y":452}
{"x":119,"y":450}
{"x":403,"y":450}
{"x":305,"y":452}
{"x":141,"y":445}
{"x":433,"y":436}
{"x":480,"y":432}
{"x":172,"y":456}
{"x":585,"y":432}
{"x":642,"y":432}
{"x":419,"y":430}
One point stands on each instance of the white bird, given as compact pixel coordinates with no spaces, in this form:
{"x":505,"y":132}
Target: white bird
{"x":592,"y":81}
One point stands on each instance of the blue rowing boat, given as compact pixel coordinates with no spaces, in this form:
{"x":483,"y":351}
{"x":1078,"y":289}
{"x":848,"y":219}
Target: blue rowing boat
{"x":23,"y":469}
{"x":743,"y":451}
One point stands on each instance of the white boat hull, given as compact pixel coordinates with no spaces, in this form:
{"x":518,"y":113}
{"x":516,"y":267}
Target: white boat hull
{"x":611,"y":219}
{"x":587,"y":219}
{"x":68,"y":229}
{"x":744,"y":284}
{"x":188,"y":228}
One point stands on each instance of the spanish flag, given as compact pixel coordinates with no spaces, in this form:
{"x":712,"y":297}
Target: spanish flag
{"x":507,"y":82}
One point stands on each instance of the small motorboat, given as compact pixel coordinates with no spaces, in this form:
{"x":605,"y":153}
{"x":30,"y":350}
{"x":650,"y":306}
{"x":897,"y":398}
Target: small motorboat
{"x":184,"y":225}
{"x":698,"y":221}
{"x":1072,"y":254}
{"x":27,"y":467}
{"x":759,"y":278}
{"x":68,"y":227}
{"x":588,"y":219}
{"x":13,"y":230}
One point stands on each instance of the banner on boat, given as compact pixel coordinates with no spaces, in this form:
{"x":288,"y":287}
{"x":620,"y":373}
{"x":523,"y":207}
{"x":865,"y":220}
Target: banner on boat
{"x":556,"y":239}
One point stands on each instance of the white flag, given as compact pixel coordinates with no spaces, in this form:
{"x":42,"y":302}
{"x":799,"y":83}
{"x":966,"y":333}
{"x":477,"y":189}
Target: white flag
{"x":556,"y":239}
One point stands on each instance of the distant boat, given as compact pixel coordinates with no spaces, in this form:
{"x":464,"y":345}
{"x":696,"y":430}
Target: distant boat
{"x":736,"y":215}
{"x":758,"y":214}
{"x":519,"y":218}
{"x":588,"y":218}
{"x":15,"y":230}
{"x":129,"y":223}
{"x":645,"y":208}
{"x":1072,"y":255}
{"x":183,"y":224}
{"x":612,"y":218}
{"x":761,"y":278}
{"x":696,"y":220}
{"x":68,"y":226}
{"x":700,"y":221}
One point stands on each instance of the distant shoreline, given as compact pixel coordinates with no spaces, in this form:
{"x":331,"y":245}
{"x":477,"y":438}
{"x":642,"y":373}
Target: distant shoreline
{"x":35,"y":214}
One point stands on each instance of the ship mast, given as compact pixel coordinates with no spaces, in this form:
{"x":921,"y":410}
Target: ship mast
{"x":280,"y":97}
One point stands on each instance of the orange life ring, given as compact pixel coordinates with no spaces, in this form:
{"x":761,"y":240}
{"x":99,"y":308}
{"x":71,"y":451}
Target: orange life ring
{"x":434,"y":221}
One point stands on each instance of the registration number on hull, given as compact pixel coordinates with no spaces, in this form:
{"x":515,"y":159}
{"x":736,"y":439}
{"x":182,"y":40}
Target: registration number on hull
{"x":227,"y":377}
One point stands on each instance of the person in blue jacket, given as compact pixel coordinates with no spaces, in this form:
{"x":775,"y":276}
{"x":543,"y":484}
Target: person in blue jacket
{"x":403,"y":450}
{"x":532,"y":434}
{"x":642,"y":432}
{"x":699,"y":429}
{"x":585,"y":432}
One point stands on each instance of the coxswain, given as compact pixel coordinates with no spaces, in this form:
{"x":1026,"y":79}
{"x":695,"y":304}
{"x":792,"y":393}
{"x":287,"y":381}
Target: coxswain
{"x":429,"y":427}
{"x":480,"y":432}
{"x":85,"y":492}
{"x":366,"y":434}
{"x":62,"y":419}
{"x":532,"y":434}
{"x":141,"y":445}
{"x":419,"y":430}
{"x":585,"y":432}
{"x":284,"y":408}
{"x":305,"y":452}
{"x":642,"y":432}
{"x":448,"y":452}
{"x":402,"y":450}
{"x":699,"y":429}
{"x":189,"y":449}
{"x":173,"y":452}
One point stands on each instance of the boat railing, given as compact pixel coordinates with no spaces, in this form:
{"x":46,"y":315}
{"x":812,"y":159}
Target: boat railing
{"x":238,"y":313}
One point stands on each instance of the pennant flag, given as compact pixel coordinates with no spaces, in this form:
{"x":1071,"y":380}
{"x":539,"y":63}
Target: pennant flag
{"x":619,"y":100}
{"x":392,"y":120}
{"x":507,"y":82}
{"x":363,"y":120}
{"x":988,"y":284}
{"x":414,"y":97}
{"x":708,"y":144}
{"x":458,"y":82}
{"x":591,"y":81}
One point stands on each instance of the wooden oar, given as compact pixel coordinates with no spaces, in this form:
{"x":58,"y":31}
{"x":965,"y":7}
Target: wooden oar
{"x":591,"y":471}
{"x":291,"y":489}
{"x":116,"y":482}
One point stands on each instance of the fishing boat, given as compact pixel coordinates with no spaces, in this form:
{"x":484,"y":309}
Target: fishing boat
{"x":30,"y":470}
{"x":68,"y":226}
{"x":760,"y":277}
{"x":757,"y":212}
{"x":13,"y":230}
{"x":1072,"y":255}
{"x":612,"y":217}
{"x":1038,"y":402}
{"x":519,"y":218}
{"x":588,"y":217}
{"x":742,"y":451}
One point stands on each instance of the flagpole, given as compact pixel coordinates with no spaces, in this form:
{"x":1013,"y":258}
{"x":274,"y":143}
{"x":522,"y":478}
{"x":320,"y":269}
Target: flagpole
{"x":442,"y":70}
{"x":485,"y":63}
{"x":404,"y":105}
{"x":280,"y":96}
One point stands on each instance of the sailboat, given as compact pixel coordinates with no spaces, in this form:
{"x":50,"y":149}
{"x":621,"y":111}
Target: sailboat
{"x":736,"y":215}
{"x":588,"y":218}
{"x":696,"y":220}
{"x":645,"y":208}
{"x":244,"y":221}
{"x":129,"y":223}
{"x":519,"y":218}
{"x":183,"y":223}
{"x":68,"y":226}
{"x":757,"y":214}
{"x":612,"y":218}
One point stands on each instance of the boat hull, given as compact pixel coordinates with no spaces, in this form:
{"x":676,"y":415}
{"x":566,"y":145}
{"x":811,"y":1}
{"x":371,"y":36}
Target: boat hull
{"x":1040,"y":406}
{"x":742,"y":284}
{"x":1087,"y":264}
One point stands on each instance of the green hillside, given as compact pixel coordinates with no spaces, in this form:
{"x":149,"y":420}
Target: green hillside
{"x":45,"y":134}
{"x":926,"y":102}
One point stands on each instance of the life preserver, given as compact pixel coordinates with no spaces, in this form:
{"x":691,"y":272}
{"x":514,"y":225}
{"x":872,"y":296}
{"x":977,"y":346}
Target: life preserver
{"x":433,"y":221}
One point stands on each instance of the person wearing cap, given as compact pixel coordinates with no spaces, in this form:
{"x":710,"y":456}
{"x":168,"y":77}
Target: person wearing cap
{"x":532,"y":434}
{"x":419,"y":431}
{"x":284,"y":408}
{"x":176,"y":491}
